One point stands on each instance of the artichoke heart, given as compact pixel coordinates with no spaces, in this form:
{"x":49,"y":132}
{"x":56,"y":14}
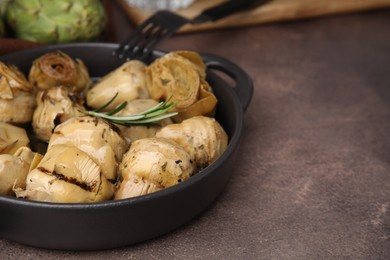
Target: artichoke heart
{"x":54,"y":106}
{"x":17,"y":99}
{"x":152,"y":164}
{"x":67,"y":175}
{"x":14,"y":169}
{"x":173,"y":76}
{"x":128,"y":80}
{"x":202,"y":137}
{"x":182,"y":76}
{"x":95,"y":137}
{"x":58,"y":69}
{"x":12,"y":138}
{"x":51,"y":21}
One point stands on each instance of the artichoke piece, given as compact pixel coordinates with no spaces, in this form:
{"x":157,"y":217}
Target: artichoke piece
{"x":135,"y":132}
{"x":182,"y":75}
{"x":129,"y":81}
{"x":58,"y":69}
{"x":205,"y":105}
{"x":54,"y":106}
{"x":97,"y":138}
{"x":173,"y":75}
{"x":152,"y":164}
{"x":51,"y":21}
{"x":12,"y":138}
{"x":67,"y":175}
{"x":14,"y":169}
{"x":17,"y":100}
{"x":196,"y":59}
{"x":202,"y":137}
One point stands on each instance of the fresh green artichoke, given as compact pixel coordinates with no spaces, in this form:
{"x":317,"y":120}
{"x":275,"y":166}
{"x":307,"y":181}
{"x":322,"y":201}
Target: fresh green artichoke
{"x":50,"y":21}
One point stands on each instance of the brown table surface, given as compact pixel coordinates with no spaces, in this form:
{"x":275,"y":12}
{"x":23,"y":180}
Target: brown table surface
{"x":313,"y":176}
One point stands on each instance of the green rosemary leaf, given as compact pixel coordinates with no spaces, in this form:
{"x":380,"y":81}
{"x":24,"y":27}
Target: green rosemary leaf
{"x":153,"y":119}
{"x":149,"y":116}
{"x":117,"y":109}
{"x":107,"y":104}
{"x":152,"y":109}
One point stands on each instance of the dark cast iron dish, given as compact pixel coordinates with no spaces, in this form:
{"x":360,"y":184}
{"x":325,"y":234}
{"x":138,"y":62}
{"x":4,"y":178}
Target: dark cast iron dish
{"x":112,"y":224}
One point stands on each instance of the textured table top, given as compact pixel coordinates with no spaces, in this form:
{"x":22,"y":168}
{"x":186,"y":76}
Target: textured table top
{"x":313,"y":176}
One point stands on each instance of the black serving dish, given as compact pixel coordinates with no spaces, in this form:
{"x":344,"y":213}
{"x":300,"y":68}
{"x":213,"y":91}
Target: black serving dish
{"x":111,"y":224}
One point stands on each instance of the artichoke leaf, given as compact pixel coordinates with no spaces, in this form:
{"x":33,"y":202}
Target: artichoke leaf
{"x":12,"y":138}
{"x":14,"y":169}
{"x":5,"y":89}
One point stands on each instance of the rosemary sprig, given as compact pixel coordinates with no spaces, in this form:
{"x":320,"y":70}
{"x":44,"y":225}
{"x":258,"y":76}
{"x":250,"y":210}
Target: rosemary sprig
{"x":151,"y":115}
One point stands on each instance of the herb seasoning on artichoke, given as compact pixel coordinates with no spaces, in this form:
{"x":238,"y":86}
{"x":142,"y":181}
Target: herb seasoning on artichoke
{"x":49,"y":21}
{"x":152,"y":164}
{"x":54,"y":106}
{"x":202,"y":137}
{"x":59,"y":69}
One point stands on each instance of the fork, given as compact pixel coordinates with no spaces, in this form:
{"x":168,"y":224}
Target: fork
{"x":142,"y":41}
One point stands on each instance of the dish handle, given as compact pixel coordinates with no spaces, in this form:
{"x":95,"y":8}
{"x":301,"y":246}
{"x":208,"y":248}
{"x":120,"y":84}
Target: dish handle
{"x":243,"y":84}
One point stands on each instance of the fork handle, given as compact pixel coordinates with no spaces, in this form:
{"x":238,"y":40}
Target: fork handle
{"x":224,"y":9}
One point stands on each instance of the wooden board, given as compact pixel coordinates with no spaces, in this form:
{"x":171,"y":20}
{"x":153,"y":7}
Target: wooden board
{"x":273,"y":11}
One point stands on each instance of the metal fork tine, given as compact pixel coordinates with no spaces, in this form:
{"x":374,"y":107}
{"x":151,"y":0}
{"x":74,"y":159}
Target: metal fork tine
{"x":142,"y":41}
{"x":132,"y":38}
{"x":149,"y":45}
{"x":138,"y":45}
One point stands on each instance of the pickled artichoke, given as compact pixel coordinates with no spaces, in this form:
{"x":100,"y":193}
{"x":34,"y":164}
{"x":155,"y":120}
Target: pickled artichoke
{"x":14,"y":169}
{"x":95,"y":137}
{"x":68,"y":175}
{"x":128,"y":81}
{"x":51,"y":21}
{"x":17,"y":99}
{"x":12,"y":138}
{"x":59,"y":69}
{"x":54,"y":106}
{"x":202,"y":137}
{"x":182,"y":75}
{"x":173,"y":75}
{"x":152,"y":164}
